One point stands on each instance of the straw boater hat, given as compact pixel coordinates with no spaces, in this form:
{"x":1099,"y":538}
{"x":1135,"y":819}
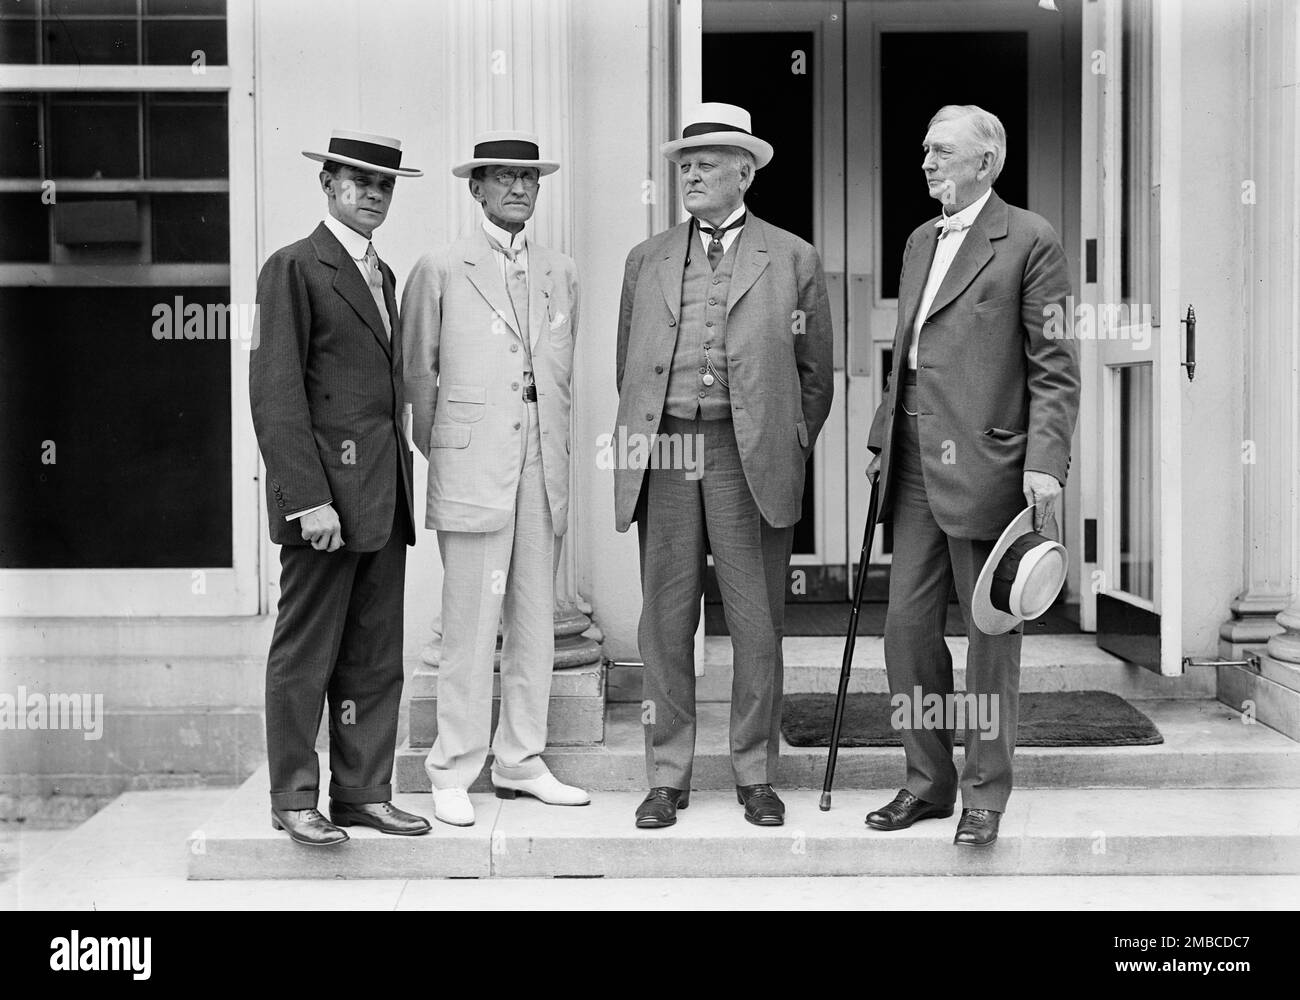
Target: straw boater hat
{"x":719,"y":125}
{"x":369,"y":152}
{"x":505,"y":149}
{"x":1020,"y":579}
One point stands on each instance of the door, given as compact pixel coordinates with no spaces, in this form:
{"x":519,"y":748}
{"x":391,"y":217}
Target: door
{"x":904,"y":61}
{"x":783,"y":62}
{"x":1129,"y":336}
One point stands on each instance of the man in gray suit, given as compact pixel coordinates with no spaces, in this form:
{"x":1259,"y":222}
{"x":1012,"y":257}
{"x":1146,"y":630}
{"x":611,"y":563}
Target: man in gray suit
{"x":975,"y":424}
{"x":724,"y":351}
{"x":489,"y":328}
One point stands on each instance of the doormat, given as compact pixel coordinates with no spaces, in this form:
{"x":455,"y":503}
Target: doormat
{"x":813,"y":618}
{"x":1047,"y":719}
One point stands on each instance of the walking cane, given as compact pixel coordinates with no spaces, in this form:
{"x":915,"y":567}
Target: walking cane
{"x":846,"y":665}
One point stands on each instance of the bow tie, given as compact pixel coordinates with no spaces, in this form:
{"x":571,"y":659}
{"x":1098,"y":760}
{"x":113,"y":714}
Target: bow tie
{"x":950,"y":224}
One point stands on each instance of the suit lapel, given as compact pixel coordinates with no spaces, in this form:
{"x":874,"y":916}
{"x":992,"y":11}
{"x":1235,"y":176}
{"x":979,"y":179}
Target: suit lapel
{"x":975,"y":252}
{"x":751,"y":260}
{"x":673,"y":265}
{"x":485,"y":275}
{"x":539,"y":287}
{"x":349,"y":283}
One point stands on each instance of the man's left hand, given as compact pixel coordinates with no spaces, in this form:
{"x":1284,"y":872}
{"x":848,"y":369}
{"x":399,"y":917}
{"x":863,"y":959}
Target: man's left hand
{"x":1041,"y":491}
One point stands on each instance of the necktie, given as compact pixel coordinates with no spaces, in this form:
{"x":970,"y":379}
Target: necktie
{"x":375,"y":279}
{"x":715,"y":238}
{"x":517,"y":287}
{"x":950,"y":224}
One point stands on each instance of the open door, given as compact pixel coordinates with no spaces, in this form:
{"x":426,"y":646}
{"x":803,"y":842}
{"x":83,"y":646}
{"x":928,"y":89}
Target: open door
{"x":1129,"y":336}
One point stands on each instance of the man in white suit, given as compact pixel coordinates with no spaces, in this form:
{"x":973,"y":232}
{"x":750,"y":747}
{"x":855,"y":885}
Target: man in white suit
{"x":488,"y":331}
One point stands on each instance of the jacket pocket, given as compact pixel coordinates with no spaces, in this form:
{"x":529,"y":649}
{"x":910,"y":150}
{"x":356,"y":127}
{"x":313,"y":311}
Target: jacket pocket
{"x":464,"y":403}
{"x":1002,"y":434}
{"x":993,"y":305}
{"x":449,"y":436}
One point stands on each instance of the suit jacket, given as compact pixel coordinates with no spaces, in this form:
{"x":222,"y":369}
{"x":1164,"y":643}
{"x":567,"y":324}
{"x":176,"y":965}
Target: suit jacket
{"x":324,"y":387}
{"x":779,"y":361}
{"x":464,"y":373}
{"x":997,"y":396}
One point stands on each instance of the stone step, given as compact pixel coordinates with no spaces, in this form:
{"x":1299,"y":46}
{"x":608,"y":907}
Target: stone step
{"x":1045,"y":832}
{"x":576,"y":716}
{"x":1047,"y":663}
{"x":1206,"y":746}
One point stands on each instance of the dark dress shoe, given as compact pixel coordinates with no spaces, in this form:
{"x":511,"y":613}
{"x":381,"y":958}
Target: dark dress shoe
{"x":383,"y":816}
{"x":307,"y":826}
{"x":978,"y":828}
{"x":763,"y":807}
{"x":905,"y":810}
{"x":659,"y":808}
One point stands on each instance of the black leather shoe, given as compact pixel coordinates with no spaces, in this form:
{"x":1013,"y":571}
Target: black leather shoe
{"x":763,"y":807}
{"x":383,"y":816}
{"x":659,"y":808}
{"x":307,"y":826}
{"x":978,"y":828}
{"x":905,"y":810}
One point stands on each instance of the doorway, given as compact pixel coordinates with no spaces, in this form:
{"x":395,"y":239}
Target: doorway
{"x":844,"y":90}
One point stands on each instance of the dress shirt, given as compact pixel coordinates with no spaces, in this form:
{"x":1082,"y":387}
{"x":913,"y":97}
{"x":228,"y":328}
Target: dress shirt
{"x":949,"y":244}
{"x":729,"y":237}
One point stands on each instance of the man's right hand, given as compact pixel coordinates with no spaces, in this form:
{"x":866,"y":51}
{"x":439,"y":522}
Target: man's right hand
{"x":322,"y":529}
{"x":873,"y":468}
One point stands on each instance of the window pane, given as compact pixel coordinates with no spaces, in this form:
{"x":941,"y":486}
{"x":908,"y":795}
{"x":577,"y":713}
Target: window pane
{"x":1137,"y":482}
{"x":191,"y":228}
{"x":101,"y":42}
{"x":187,"y":136}
{"x":173,"y":43}
{"x":141,"y":429}
{"x":95,"y":136}
{"x":172,"y":8}
{"x":17,"y":41}
{"x":24,"y":228}
{"x":65,"y":8}
{"x":20,"y":153}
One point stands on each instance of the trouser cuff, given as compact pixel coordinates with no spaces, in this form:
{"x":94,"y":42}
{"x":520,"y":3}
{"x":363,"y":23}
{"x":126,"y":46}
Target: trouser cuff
{"x":357,"y":796}
{"x":305,"y":798}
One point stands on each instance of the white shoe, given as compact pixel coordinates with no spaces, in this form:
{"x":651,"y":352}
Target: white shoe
{"x":452,"y":805}
{"x":546,"y":787}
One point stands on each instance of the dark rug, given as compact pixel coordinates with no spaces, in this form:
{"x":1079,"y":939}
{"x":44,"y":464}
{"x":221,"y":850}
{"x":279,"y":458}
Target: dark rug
{"x":1047,"y":719}
{"x":811,"y":618}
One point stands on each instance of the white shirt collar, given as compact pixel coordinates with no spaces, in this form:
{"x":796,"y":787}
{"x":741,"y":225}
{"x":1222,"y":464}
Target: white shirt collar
{"x":509,"y":240}
{"x":353,"y":242}
{"x":967,"y":215}
{"x":730,"y":218}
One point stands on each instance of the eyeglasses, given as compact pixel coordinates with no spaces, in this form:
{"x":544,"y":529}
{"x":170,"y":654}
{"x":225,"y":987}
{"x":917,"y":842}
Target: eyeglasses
{"x":507,"y":178}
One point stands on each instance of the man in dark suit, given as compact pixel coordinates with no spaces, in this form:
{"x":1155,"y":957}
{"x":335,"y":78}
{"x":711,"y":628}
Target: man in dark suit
{"x":724,"y":351}
{"x":975,"y":424}
{"x":325,"y":388}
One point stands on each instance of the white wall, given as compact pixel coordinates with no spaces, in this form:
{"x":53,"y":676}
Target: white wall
{"x":372,"y":67}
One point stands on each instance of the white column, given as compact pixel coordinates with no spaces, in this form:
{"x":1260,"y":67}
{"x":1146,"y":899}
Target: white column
{"x":507,"y":63}
{"x":1272,"y":440}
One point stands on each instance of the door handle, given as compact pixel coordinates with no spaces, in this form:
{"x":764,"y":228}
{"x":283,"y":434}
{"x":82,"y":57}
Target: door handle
{"x":1189,"y":337}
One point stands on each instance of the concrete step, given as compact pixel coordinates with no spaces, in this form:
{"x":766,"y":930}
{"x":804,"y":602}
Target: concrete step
{"x":1206,"y":746}
{"x":576,"y":715}
{"x":1047,"y":663}
{"x":1045,"y":832}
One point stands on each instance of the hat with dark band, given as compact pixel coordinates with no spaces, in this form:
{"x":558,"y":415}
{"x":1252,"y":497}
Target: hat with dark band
{"x":1020,"y":579}
{"x":366,"y":152}
{"x":506,"y":149}
{"x":719,"y":125}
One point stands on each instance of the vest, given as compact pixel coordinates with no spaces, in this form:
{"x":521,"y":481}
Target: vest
{"x":703,"y":320}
